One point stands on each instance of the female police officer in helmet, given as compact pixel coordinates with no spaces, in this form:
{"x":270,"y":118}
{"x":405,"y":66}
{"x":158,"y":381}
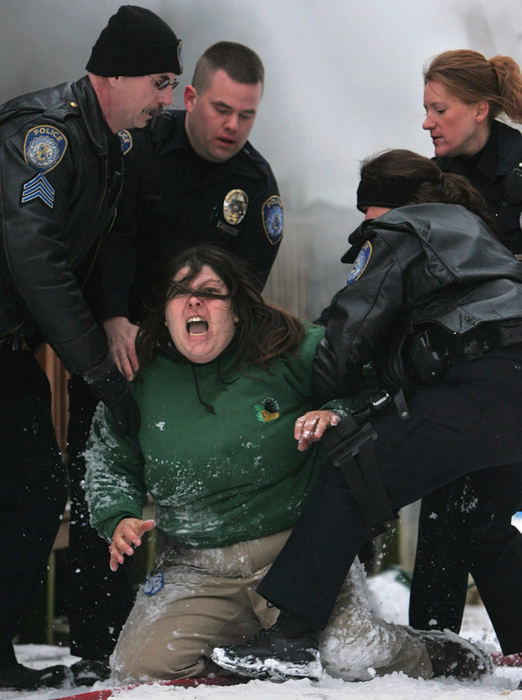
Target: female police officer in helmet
{"x":430,"y":282}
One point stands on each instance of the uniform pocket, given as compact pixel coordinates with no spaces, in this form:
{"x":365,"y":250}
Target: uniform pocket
{"x":450,"y":407}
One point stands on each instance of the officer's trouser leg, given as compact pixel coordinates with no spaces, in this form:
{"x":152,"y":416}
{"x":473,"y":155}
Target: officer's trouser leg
{"x":470,"y":530}
{"x":33,"y":490}
{"x":470,"y":422}
{"x":493,"y":547}
{"x":99,"y":599}
{"x":309,"y":571}
{"x":440,"y":575}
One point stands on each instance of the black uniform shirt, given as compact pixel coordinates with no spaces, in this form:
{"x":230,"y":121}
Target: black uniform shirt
{"x":487,"y":170}
{"x":174,"y":199}
{"x":417,"y":266}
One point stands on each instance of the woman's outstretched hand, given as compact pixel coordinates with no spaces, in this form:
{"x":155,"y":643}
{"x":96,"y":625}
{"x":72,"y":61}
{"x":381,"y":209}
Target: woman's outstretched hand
{"x":126,"y":537}
{"x":310,"y":427}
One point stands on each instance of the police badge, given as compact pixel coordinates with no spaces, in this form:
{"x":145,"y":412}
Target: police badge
{"x":235,"y":206}
{"x":44,"y":147}
{"x":272,"y":213}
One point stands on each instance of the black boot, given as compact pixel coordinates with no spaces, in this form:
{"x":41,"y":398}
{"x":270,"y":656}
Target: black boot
{"x":21,"y":677}
{"x":454,"y":656}
{"x":88,"y":671}
{"x":272,"y":654}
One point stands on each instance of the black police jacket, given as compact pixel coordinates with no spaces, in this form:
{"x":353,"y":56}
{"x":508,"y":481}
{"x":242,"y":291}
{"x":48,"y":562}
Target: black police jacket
{"x":415,"y":266}
{"x":173,"y":199}
{"x":60,"y":177}
{"x":489,"y":172}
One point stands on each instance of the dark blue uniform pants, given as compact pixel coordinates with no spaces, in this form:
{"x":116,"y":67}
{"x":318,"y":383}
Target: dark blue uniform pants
{"x":472,"y":420}
{"x":99,"y":599}
{"x":32,"y":492}
{"x":457,"y":525}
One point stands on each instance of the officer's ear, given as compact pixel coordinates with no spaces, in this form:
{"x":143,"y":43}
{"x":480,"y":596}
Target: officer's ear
{"x":481,"y":111}
{"x":190,"y":96}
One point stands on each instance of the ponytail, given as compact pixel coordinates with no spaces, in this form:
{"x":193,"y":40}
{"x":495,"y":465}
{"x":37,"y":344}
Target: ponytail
{"x":470,"y":77}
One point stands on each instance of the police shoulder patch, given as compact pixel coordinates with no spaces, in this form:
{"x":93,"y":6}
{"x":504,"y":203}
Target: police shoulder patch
{"x":272,"y":215}
{"x":44,"y":147}
{"x":125,"y":137}
{"x":360,"y":263}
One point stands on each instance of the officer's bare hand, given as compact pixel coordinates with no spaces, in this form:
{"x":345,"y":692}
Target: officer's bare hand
{"x":121,"y":335}
{"x":310,"y":427}
{"x":126,"y":537}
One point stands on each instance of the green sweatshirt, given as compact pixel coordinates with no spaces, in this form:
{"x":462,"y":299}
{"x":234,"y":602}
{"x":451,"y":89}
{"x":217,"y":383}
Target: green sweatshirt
{"x":217,"y":478}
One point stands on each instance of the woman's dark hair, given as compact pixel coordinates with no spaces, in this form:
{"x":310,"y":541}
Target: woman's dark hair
{"x":471,"y":77}
{"x":424,"y":182}
{"x":263,"y":331}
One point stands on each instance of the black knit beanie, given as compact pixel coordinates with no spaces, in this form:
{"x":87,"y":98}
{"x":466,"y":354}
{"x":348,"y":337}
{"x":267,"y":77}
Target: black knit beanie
{"x":136,"y":42}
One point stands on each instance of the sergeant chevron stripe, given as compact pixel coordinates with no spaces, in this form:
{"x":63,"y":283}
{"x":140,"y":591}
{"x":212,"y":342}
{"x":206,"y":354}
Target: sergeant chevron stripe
{"x":40,"y":187}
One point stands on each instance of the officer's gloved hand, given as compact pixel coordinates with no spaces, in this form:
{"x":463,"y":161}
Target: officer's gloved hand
{"x":111,"y":387}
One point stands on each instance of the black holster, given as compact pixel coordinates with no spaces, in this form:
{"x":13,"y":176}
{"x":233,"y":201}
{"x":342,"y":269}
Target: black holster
{"x":351,"y":448}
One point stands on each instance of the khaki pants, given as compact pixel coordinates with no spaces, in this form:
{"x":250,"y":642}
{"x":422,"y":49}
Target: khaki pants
{"x":209,"y":599}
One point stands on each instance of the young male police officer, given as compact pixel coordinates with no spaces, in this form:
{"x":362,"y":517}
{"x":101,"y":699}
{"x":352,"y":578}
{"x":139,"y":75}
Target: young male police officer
{"x":60,"y":181}
{"x":192,"y":177}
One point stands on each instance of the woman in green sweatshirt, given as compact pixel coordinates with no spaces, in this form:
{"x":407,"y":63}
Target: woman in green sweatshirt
{"x":224,"y":378}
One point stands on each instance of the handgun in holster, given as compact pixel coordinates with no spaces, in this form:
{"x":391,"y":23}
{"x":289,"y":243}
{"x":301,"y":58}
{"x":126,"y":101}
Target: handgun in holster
{"x":351,"y":448}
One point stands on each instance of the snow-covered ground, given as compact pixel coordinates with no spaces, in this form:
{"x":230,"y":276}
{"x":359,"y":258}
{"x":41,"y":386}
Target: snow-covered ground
{"x":390,"y":598}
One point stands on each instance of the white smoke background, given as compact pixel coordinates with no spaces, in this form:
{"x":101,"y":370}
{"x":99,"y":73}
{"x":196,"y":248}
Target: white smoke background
{"x":343,"y":81}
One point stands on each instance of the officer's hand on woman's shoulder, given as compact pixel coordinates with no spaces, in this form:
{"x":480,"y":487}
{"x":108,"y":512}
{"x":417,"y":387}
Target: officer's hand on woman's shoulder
{"x":121,"y":336}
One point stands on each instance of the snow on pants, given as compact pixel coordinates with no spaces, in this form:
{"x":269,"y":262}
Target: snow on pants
{"x":33,"y":491}
{"x":470,"y":421}
{"x":209,"y":599}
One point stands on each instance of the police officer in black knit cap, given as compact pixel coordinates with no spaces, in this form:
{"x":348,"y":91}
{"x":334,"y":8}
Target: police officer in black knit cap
{"x":60,"y":181}
{"x":134,"y":40}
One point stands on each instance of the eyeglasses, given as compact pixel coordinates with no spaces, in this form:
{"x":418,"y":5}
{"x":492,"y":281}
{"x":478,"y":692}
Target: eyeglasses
{"x":164,"y":83}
